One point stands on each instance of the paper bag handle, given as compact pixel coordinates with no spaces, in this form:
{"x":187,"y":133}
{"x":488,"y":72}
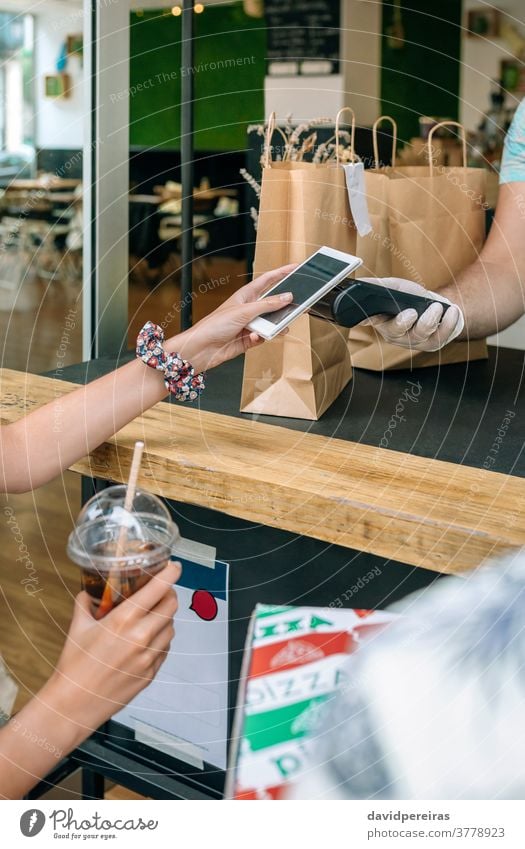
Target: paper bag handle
{"x":463,"y":141}
{"x":271,"y":127}
{"x":394,"y":139}
{"x":352,"y":135}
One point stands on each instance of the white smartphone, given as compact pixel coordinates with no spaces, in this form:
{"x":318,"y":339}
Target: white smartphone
{"x":308,"y":283}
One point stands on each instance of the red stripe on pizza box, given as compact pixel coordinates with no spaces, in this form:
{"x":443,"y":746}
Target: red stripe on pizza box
{"x":298,"y":651}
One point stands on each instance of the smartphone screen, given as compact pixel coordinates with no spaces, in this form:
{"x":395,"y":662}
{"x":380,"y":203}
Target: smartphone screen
{"x":304,"y":282}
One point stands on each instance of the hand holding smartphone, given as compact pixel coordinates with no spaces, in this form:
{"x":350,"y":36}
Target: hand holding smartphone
{"x":309,"y":282}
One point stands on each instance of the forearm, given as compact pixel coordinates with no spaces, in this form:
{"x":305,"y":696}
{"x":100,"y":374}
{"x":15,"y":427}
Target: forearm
{"x":35,"y":740}
{"x":491,"y":291}
{"x":38,"y":447}
{"x":491,"y":296}
{"x":44,"y":443}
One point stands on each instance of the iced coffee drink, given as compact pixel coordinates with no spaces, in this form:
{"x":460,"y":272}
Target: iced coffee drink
{"x":119,"y":550}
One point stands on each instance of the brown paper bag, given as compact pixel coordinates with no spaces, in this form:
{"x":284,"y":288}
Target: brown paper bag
{"x":303,"y":206}
{"x":428,"y":224}
{"x":301,"y":374}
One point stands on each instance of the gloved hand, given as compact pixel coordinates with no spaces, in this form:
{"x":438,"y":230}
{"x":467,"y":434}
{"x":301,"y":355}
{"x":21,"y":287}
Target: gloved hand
{"x":427,"y":333}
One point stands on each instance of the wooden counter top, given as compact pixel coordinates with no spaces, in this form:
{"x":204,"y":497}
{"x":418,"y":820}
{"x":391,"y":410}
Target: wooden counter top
{"x":423,"y":512}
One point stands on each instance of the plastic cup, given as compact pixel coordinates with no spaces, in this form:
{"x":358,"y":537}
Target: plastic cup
{"x":108,"y":576}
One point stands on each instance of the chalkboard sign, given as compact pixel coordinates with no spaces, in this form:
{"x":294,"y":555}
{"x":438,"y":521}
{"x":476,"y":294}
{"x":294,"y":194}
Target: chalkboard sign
{"x":300,"y":30}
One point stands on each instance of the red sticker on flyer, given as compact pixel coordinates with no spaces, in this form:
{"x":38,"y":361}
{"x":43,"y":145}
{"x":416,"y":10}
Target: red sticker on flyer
{"x":204,"y":605}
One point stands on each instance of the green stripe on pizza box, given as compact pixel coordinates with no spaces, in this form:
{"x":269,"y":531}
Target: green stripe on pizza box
{"x":262,"y":730}
{"x":263,"y":610}
{"x":289,"y":623}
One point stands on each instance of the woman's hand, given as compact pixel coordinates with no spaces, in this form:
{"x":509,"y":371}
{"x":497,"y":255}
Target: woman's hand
{"x":106,"y":662}
{"x":251,"y":291}
{"x":223,"y":335}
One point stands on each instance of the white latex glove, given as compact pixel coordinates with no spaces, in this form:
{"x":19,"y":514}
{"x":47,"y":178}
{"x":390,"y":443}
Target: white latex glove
{"x":428,"y":333}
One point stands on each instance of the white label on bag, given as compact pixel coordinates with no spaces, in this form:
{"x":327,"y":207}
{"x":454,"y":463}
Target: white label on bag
{"x":355,"y":183}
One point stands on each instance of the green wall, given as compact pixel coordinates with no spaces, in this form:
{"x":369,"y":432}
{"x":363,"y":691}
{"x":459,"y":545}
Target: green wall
{"x":422,"y":78}
{"x":229,"y":68}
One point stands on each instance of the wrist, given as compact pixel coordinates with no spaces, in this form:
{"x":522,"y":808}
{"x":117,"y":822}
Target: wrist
{"x":453,"y":294}
{"x":450,"y":292}
{"x":153,"y":377}
{"x":69,"y":708}
{"x":182,"y":379}
{"x":186,"y":345}
{"x":44,"y":731}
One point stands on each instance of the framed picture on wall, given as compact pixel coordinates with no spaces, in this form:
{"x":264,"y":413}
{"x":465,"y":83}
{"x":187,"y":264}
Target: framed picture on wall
{"x":57,"y":85}
{"x":512,"y":75}
{"x":74,"y":45}
{"x":483,"y":22}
